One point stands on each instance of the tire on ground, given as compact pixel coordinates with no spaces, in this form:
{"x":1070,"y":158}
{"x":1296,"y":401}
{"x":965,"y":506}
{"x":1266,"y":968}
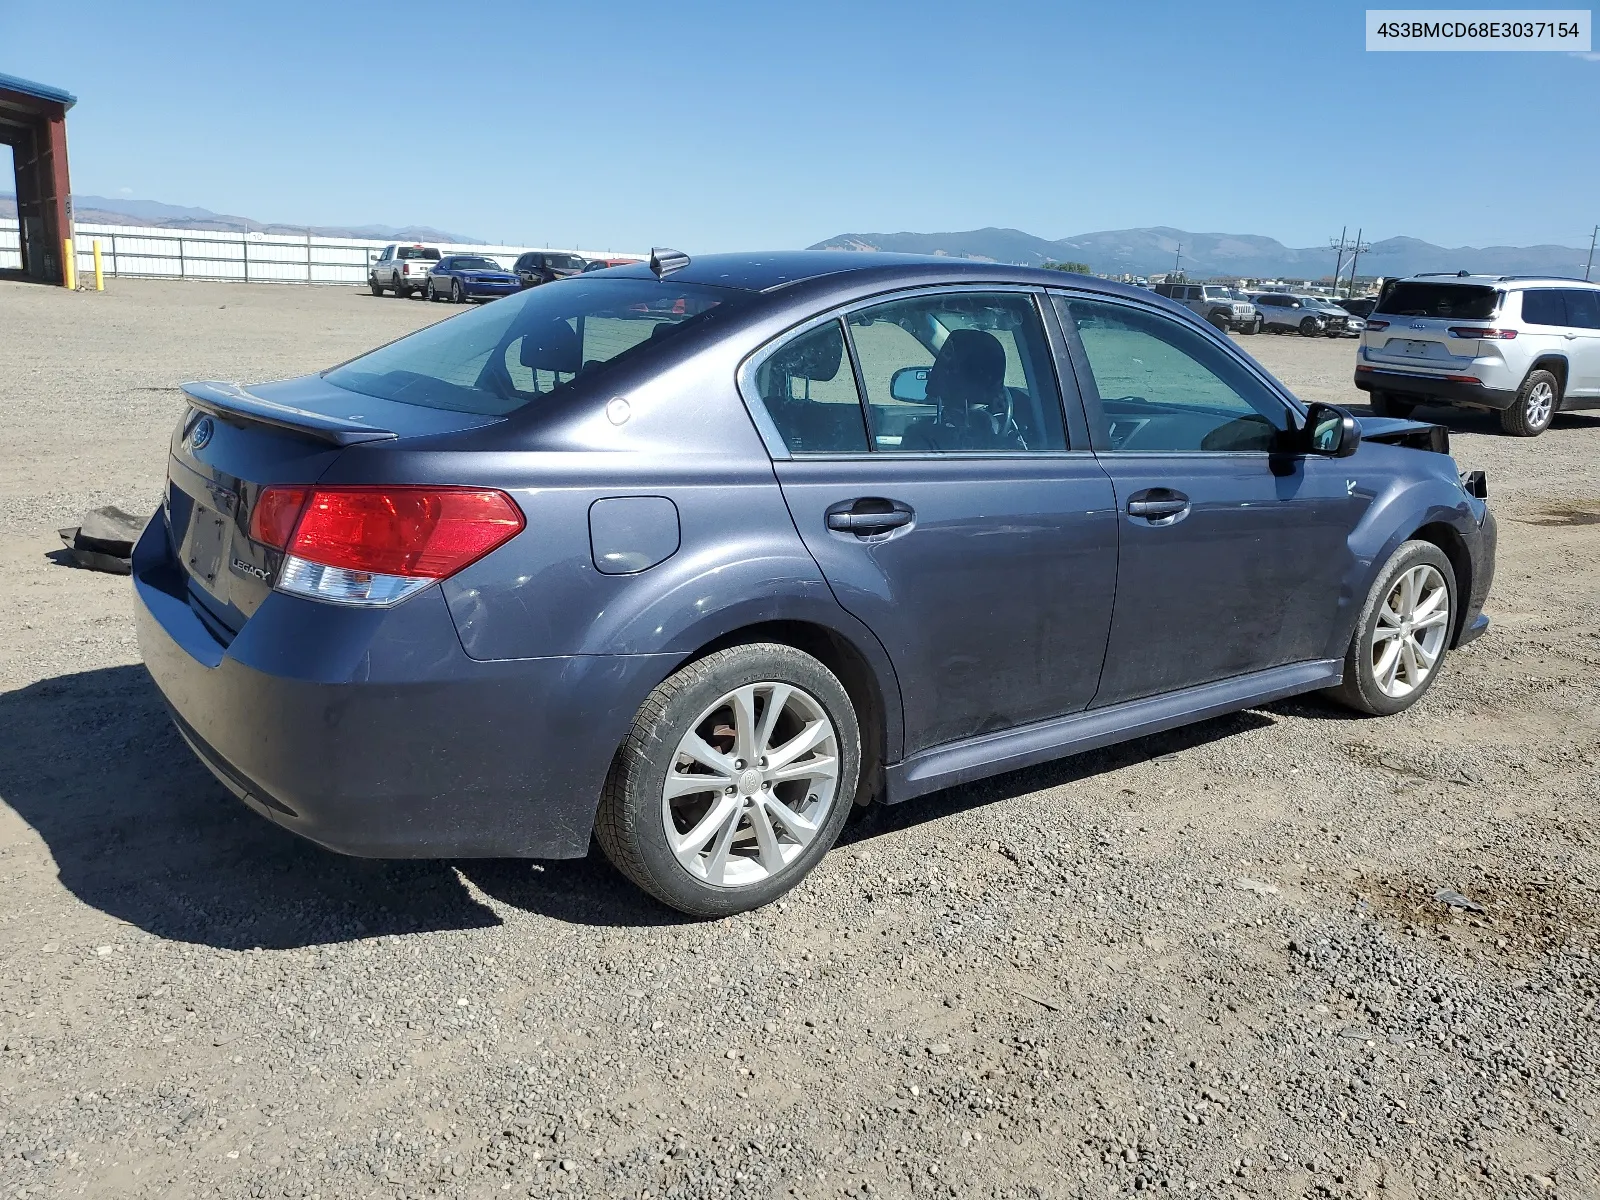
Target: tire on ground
{"x":1387,"y":404}
{"x":1360,"y":689}
{"x":629,"y":824}
{"x":1518,"y":420}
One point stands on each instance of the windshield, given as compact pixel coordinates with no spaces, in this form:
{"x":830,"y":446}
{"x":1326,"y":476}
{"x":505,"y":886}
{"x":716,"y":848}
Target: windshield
{"x":1451,"y":300}
{"x":475,"y":264}
{"x":495,"y":360}
{"x":419,"y":252}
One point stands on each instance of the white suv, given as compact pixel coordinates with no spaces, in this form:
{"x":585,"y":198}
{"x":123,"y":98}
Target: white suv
{"x":1524,"y":346}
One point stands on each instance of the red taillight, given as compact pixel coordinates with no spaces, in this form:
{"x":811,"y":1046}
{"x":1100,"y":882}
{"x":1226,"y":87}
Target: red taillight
{"x":1374,"y":326}
{"x":277,"y":509}
{"x":417,"y":532}
{"x":405,"y":269}
{"x":1465,"y":379}
{"x":1491,"y":335}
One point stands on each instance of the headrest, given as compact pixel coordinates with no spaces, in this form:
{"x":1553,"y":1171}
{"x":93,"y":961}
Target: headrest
{"x":970,"y":359}
{"x":552,"y":347}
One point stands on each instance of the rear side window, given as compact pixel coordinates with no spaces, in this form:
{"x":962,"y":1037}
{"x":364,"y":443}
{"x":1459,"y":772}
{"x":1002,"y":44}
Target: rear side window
{"x":809,"y":391}
{"x":1464,"y":302}
{"x":1544,"y":306}
{"x":496,"y":359}
{"x":961,"y":372}
{"x":1583,"y":308}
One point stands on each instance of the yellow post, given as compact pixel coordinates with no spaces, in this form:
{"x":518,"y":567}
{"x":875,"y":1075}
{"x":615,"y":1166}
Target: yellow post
{"x":70,"y":265}
{"x":99,"y":275}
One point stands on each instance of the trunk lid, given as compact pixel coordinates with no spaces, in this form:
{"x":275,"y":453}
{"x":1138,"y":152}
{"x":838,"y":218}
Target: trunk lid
{"x":234,"y":441}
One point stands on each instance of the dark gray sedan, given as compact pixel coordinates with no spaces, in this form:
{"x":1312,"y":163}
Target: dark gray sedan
{"x":695,"y":557}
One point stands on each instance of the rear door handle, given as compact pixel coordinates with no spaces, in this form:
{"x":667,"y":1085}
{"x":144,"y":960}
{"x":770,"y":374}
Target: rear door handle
{"x":869,"y":516}
{"x":1157,"y":503}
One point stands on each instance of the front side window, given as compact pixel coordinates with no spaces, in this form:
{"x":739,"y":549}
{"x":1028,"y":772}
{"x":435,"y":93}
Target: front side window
{"x":498,"y":358}
{"x":809,"y":391}
{"x":1544,"y":306}
{"x":961,"y":372}
{"x":1163,"y":387}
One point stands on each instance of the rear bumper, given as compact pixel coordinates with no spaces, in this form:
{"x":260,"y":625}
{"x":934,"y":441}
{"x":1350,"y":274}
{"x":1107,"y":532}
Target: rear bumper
{"x":1433,"y":389}
{"x":372,"y":733}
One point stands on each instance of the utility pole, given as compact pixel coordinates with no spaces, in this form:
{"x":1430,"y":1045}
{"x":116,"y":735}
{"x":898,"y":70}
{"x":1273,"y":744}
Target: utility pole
{"x":1178,"y":258}
{"x":1592,"y":234}
{"x":1338,"y":263}
{"x":1355,"y":256}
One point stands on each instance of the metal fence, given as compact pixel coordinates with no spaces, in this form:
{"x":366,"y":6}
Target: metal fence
{"x":162,"y":253}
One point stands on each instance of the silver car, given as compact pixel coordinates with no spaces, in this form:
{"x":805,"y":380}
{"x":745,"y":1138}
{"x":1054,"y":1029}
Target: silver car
{"x":1221,"y":306}
{"x":1524,"y":346}
{"x":1305,"y":315}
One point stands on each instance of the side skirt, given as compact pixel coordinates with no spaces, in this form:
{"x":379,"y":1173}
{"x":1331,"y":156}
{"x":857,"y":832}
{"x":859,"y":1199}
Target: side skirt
{"x":1060,"y":737}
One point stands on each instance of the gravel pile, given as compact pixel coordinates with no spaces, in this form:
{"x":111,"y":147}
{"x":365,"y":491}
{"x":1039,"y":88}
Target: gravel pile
{"x":1284,"y":953}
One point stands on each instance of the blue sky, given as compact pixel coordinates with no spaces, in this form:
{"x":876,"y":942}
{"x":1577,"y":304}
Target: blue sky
{"x":714,"y":126}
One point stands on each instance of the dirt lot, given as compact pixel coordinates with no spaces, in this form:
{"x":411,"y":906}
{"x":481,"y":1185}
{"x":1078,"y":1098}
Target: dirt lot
{"x":1207,"y":963}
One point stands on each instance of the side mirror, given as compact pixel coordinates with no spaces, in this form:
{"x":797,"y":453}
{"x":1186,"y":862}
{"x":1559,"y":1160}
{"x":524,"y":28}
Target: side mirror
{"x":910,"y":384}
{"x":1331,"y":431}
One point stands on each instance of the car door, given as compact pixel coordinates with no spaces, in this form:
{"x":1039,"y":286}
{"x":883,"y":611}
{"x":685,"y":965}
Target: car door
{"x":1232,"y":556}
{"x":1582,"y":336}
{"x":962,"y":521}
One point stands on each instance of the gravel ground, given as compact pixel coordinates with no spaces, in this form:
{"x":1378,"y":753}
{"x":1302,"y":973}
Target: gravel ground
{"x":1207,"y":963}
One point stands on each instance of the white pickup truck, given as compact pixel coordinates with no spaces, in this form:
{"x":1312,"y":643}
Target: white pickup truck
{"x":402,"y":269}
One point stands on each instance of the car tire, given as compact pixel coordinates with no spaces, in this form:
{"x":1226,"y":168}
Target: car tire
{"x":1387,"y":404}
{"x":1538,"y":400}
{"x":456,"y":294}
{"x":1256,"y":328}
{"x":1374,"y":683}
{"x":429,"y":293}
{"x":1308,"y":327}
{"x":401,"y":291}
{"x":377,"y":288}
{"x":1222,"y":324}
{"x":725,"y":863}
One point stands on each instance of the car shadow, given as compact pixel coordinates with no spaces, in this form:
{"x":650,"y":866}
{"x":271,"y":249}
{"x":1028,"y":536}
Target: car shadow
{"x":1467,"y":420}
{"x":141,"y":831}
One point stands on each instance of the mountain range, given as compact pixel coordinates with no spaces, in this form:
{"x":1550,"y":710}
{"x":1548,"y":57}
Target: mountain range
{"x":112,"y":210}
{"x":1153,"y":250}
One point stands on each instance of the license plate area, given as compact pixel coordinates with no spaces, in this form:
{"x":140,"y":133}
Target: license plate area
{"x":1417,"y":349}
{"x":204,"y":549}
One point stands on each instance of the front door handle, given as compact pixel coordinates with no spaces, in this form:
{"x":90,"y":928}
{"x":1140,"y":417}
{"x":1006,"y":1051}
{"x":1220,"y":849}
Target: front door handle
{"x":1156,"y":504}
{"x":869,"y":516}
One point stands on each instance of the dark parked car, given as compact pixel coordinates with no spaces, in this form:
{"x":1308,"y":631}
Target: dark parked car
{"x":545,"y":266}
{"x":1361,"y":307}
{"x":602,"y":264}
{"x":462,"y":277}
{"x":696,"y":563}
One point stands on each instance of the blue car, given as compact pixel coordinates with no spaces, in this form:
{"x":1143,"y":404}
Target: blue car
{"x":462,"y":277}
{"x":696,"y":557}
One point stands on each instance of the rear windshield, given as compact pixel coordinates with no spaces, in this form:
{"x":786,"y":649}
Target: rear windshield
{"x":475,"y":264}
{"x":1453,"y":300}
{"x":497,"y":359}
{"x":564,"y":262}
{"x":419,"y":252}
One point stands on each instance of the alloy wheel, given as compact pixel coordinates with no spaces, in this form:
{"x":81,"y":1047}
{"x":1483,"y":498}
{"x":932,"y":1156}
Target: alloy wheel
{"x":1541,"y":404}
{"x":1413,"y":623}
{"x":751,"y":784}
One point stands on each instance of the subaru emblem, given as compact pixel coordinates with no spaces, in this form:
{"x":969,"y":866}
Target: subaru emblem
{"x":200,"y":435}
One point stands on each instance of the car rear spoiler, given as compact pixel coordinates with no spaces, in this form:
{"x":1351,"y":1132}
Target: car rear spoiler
{"x":232,"y":403}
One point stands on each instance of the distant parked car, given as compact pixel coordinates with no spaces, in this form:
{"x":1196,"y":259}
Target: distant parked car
{"x":1522,"y":346}
{"x":402,"y":269}
{"x":463,"y":277}
{"x":600,"y":264}
{"x":543,"y":266}
{"x":1361,"y":308}
{"x":1342,"y":322}
{"x":1221,"y":306}
{"x":1285,"y":313}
